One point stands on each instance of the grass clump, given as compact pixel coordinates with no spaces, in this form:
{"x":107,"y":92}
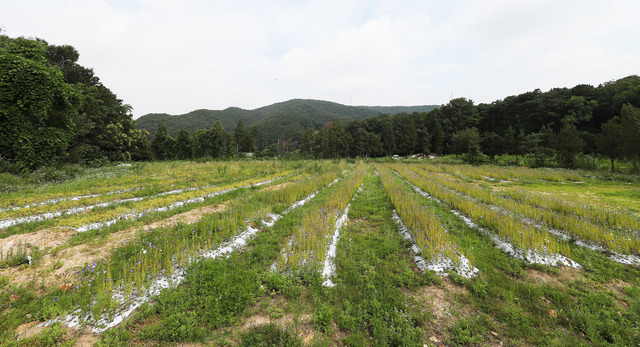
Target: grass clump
{"x":269,"y":335}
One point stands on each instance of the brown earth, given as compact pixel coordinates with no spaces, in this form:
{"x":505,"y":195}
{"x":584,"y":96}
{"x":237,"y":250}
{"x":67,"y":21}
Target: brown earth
{"x":277,"y":186}
{"x":441,"y":303}
{"x":56,"y":269}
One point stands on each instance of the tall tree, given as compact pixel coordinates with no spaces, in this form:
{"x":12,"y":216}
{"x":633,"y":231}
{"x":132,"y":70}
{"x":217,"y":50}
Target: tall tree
{"x":240,"y":135}
{"x":163,"y":145}
{"x":466,"y":141}
{"x":568,"y":145}
{"x":204,"y":144}
{"x":252,"y":138}
{"x":437,"y":138}
{"x":404,"y":133}
{"x":307,"y":141}
{"x":509,"y":141}
{"x":387,"y":136}
{"x":492,"y":144}
{"x":611,"y":140}
{"x":359,"y":143}
{"x":630,"y":118}
{"x":183,"y":145}
{"x":541,"y":145}
{"x":519,"y":145}
{"x":459,"y":114}
{"x":338,"y":140}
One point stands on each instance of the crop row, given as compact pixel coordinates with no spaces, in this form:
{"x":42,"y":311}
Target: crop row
{"x":598,"y":213}
{"x":508,"y":173}
{"x":309,"y":242}
{"x":619,"y":240}
{"x":428,"y":233}
{"x":506,"y":225}
{"x":136,"y":264}
{"x":139,"y":180}
{"x":133,"y":208}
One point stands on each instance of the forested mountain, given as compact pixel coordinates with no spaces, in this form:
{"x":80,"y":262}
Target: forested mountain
{"x":284,"y":120}
{"x":281,"y":120}
{"x":393,"y":110}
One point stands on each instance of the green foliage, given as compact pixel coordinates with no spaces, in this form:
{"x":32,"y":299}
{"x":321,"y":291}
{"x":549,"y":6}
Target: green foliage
{"x":568,"y":144}
{"x":468,"y":332}
{"x":163,"y":145}
{"x":322,"y":318}
{"x":183,"y":145}
{"x":54,"y":110}
{"x":466,"y":142}
{"x":37,"y":107}
{"x":115,"y":337}
{"x":215,"y":292}
{"x":269,"y":335}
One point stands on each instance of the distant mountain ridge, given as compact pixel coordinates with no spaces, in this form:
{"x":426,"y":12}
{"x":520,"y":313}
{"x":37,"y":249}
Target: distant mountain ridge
{"x":286,"y":119}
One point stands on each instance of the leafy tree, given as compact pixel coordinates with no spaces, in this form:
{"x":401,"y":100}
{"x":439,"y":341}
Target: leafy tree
{"x":251,"y":139}
{"x":359,"y":143}
{"x":579,"y":110}
{"x":104,"y":125}
{"x":387,"y":136}
{"x":270,"y":151}
{"x":183,"y":145}
{"x":375,"y":147}
{"x":37,"y":107}
{"x":307,"y":141}
{"x":611,"y":140}
{"x":423,"y":141}
{"x":630,"y":118}
{"x":240,"y":135}
{"x":492,"y":144}
{"x":466,"y":141}
{"x":221,"y":137}
{"x":519,"y":145}
{"x":568,"y":145}
{"x":437,"y":138}
{"x":541,"y":145}
{"x":203,"y":144}
{"x":404,"y":133}
{"x":338,"y":142}
{"x":509,"y":141}
{"x":458,"y":114}
{"x":163,"y":145}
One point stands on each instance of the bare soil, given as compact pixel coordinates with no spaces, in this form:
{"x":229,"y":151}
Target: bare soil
{"x":56,"y":269}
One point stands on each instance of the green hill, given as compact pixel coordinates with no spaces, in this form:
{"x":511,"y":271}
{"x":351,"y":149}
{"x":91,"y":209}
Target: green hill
{"x":402,"y":109}
{"x":285,"y":120}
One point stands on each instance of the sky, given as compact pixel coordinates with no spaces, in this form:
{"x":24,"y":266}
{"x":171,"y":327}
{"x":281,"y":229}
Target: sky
{"x":162,"y":56}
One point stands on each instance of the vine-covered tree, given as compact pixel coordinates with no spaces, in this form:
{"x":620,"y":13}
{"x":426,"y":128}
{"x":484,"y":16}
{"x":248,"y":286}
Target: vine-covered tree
{"x":37,"y":108}
{"x":54,"y":109}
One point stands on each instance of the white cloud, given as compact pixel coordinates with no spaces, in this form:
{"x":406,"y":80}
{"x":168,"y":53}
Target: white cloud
{"x":174,"y":57}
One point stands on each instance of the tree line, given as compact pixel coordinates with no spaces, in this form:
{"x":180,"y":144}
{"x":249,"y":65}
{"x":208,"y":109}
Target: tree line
{"x":562,"y":127}
{"x":203,"y":143}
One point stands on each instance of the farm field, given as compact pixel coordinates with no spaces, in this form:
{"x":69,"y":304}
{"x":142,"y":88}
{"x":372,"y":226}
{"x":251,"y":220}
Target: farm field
{"x":327,"y":252}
